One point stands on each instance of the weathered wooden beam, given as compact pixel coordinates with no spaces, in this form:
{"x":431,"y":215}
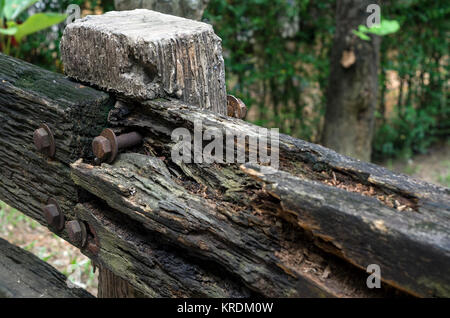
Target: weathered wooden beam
{"x":343,"y":203}
{"x":175,"y":229}
{"x":411,"y":248}
{"x":266,"y":255}
{"x":144,"y":54}
{"x":24,"y":275}
{"x":154,"y":269}
{"x":29,"y":97}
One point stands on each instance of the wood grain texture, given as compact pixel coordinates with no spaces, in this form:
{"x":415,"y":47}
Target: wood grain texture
{"x":216,"y":230}
{"x":144,"y":54}
{"x":242,"y":240}
{"x":30,"y":96}
{"x":152,"y":267}
{"x":403,"y":221}
{"x":24,"y":275}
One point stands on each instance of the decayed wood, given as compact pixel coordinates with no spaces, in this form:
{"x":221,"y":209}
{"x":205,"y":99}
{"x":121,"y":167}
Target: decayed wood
{"x":144,"y":54}
{"x":402,"y":222}
{"x":220,"y":230}
{"x":412,"y":249}
{"x":30,"y":96}
{"x":266,"y":255}
{"x":23,"y":275}
{"x":151,"y":266}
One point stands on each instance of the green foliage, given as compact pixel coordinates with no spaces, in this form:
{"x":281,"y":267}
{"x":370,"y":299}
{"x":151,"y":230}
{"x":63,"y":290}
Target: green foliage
{"x":276,"y":62}
{"x":11,"y":10}
{"x":384,"y":28}
{"x":34,"y":23}
{"x":419,"y":55}
{"x":283,"y":79}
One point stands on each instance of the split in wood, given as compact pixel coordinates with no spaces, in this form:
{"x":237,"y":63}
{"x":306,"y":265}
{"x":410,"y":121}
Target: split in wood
{"x":107,"y":145}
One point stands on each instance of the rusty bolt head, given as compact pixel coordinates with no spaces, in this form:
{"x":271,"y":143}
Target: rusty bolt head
{"x":236,"y":107}
{"x":41,"y":139}
{"x":53,"y":216}
{"x":77,"y":233}
{"x":101,"y":147}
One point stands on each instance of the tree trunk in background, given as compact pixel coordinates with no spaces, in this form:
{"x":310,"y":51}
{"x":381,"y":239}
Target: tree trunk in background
{"x":353,"y":84}
{"x":191,"y":9}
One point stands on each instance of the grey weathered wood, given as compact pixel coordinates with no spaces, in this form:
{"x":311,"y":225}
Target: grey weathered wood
{"x":411,"y":248}
{"x":240,"y":239}
{"x":30,"y":96}
{"x":403,"y":222}
{"x":173,"y":229}
{"x":145,"y":54}
{"x":24,"y":275}
{"x":154,"y":269}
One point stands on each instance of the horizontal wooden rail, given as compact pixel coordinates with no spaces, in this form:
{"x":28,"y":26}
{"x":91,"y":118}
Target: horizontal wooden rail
{"x":217,"y":230}
{"x":24,"y":275}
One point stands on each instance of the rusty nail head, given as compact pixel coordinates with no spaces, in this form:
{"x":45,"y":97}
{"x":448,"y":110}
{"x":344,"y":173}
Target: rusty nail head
{"x":77,"y":233}
{"x":53,"y":215}
{"x":44,"y":141}
{"x":236,"y":107}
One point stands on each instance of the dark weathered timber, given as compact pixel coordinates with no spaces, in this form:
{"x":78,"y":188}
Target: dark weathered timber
{"x":412,"y":249}
{"x":113,"y":286}
{"x":417,"y":221}
{"x":215,"y":230}
{"x":30,"y":96}
{"x":265,"y":254}
{"x":126,"y":251}
{"x":23,"y":275}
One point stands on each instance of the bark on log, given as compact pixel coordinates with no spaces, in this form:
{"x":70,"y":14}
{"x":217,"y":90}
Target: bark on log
{"x":174,"y":229}
{"x":145,"y":54}
{"x":23,"y":275}
{"x":30,"y":96}
{"x":404,"y":222}
{"x":267,"y":255}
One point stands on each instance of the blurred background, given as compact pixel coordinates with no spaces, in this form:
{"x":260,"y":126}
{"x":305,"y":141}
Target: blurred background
{"x":283,"y":59}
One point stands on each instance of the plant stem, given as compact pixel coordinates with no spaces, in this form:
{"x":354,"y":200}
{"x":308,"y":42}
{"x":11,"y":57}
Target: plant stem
{"x":8,"y":45}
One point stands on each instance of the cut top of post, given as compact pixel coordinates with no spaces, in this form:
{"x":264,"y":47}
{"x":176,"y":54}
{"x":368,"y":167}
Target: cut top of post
{"x":144,"y":54}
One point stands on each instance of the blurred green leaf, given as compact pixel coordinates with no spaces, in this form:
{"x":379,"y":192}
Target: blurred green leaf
{"x":361,"y":35}
{"x":37,"y":22}
{"x":8,"y":31}
{"x":2,"y":5}
{"x":13,"y":8}
{"x":385,"y":27}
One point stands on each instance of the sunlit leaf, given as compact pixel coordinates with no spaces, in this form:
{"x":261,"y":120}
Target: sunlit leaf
{"x":8,"y":31}
{"x":385,"y":27}
{"x":13,"y":8}
{"x":37,"y":22}
{"x":361,"y":35}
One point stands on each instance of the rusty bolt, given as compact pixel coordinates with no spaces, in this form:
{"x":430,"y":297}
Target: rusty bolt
{"x":44,"y":141}
{"x":53,"y":215}
{"x":106,"y":146}
{"x":236,"y":107}
{"x":77,"y":233}
{"x":101,"y":147}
